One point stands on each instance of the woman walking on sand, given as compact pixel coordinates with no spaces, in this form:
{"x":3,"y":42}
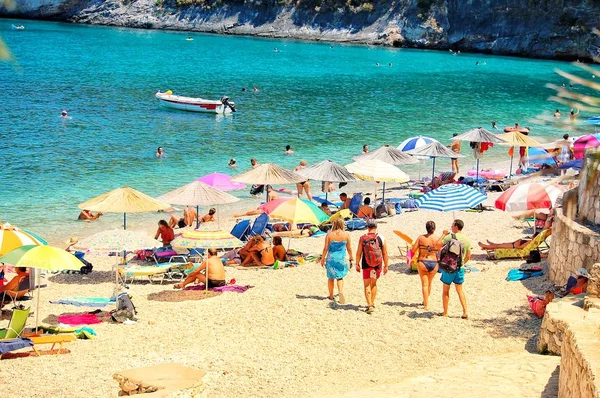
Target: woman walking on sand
{"x":428,"y":246}
{"x":334,"y":259}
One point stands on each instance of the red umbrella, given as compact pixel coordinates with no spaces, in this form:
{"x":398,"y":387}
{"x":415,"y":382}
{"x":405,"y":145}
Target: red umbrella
{"x":585,"y":142}
{"x":527,"y":197}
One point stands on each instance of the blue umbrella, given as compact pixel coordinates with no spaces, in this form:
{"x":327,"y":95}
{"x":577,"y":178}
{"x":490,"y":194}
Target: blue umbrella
{"x":451,"y":197}
{"x":539,"y":155}
{"x":415,"y":142}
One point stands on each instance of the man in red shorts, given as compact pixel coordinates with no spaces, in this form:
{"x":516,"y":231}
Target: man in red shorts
{"x":371,"y":255}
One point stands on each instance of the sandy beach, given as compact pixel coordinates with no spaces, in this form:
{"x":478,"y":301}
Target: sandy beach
{"x":283,"y":337}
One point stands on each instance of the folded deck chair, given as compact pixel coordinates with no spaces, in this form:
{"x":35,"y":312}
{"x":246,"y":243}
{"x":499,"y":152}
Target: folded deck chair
{"x":241,"y":229}
{"x":16,"y":325}
{"x":407,"y":250}
{"x":520,"y":253}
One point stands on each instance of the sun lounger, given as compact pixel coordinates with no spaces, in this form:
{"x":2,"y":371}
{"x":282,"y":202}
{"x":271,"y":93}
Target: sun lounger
{"x":241,"y":229}
{"x":16,"y":324}
{"x":53,"y":339}
{"x":498,"y":254}
{"x":151,"y":272}
{"x":259,"y":226}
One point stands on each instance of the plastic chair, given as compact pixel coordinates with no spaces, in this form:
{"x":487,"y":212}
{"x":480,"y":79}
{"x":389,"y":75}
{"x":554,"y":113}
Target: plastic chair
{"x":241,"y":229}
{"x":259,"y":226}
{"x":16,"y":325}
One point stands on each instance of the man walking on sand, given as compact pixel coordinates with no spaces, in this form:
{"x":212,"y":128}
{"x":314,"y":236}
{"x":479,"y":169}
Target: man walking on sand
{"x":457,"y":277}
{"x":455,"y":146}
{"x":371,"y":254}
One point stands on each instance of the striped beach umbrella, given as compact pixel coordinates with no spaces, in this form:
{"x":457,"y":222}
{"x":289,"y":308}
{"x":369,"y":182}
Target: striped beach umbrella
{"x":295,"y":211}
{"x":527,"y":197}
{"x":12,"y":237}
{"x":451,"y":197}
{"x":540,"y":155}
{"x":415,"y":142}
{"x":583,"y":143}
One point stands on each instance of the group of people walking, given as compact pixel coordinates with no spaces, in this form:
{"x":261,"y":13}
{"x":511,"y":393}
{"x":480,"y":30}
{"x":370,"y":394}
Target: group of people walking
{"x":372,"y":259}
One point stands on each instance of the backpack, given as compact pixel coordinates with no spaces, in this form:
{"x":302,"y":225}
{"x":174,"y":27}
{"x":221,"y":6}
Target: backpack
{"x":451,"y":255}
{"x":372,"y":253}
{"x":124,"y":303}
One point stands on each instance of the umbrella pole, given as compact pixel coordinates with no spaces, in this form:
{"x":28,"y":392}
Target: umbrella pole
{"x":37,"y":309}
{"x":383,"y":193}
{"x":433,"y":172}
{"x":477,"y":178}
{"x":124,"y":220}
{"x":197,"y":216}
{"x":511,"y":162}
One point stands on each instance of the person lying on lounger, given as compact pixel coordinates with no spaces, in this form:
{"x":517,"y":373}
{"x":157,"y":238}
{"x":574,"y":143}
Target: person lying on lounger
{"x":189,"y":216}
{"x":517,"y":244}
{"x":254,"y":212}
{"x":214,"y":275}
{"x":210,"y":216}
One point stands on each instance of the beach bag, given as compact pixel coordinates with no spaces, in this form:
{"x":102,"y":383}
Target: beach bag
{"x":372,"y":253}
{"x":124,"y":303}
{"x":355,"y":224}
{"x":451,"y":255}
{"x":409,"y":204}
{"x":381,"y":211}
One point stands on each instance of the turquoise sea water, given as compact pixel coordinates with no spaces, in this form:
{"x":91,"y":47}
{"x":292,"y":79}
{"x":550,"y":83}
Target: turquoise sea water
{"x":326,"y":102}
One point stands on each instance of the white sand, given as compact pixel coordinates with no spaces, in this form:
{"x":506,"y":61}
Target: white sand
{"x":283,"y":337}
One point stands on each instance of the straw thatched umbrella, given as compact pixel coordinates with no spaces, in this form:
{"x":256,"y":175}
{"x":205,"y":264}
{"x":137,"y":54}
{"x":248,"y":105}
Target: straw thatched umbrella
{"x":327,"y":171}
{"x":124,"y":200}
{"x":435,"y":150}
{"x":376,"y":170}
{"x":516,"y":138}
{"x":197,"y":194}
{"x":478,"y":135}
{"x":268,"y":174}
{"x":388,"y":154}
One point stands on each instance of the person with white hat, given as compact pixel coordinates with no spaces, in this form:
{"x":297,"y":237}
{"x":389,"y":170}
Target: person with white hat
{"x":581,"y":283}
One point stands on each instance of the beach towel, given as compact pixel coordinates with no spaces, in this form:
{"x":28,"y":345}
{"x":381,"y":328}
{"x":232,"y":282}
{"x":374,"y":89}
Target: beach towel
{"x":85,"y":318}
{"x":516,"y":274}
{"x":222,"y":289}
{"x":85,"y":301}
{"x":84,"y":333}
{"x":14,"y":344}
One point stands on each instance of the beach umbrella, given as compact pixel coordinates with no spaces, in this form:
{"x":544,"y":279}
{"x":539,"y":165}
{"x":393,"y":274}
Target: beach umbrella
{"x":295,"y":211}
{"x":480,"y":135}
{"x":417,"y":142}
{"x":327,"y":171}
{"x":389,"y":155}
{"x":540,"y":155}
{"x":124,"y":200}
{"x":117,"y":240}
{"x":268,"y":174}
{"x":197,"y":193}
{"x":206,"y":239}
{"x":528,"y":196}
{"x":12,"y":237}
{"x":451,"y":197}
{"x":435,"y":150}
{"x":593,"y":121}
{"x":514,"y":139}
{"x":583,"y":143}
{"x":41,"y":257}
{"x":221,"y":182}
{"x":376,"y":170}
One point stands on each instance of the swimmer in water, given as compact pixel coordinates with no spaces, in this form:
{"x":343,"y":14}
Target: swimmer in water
{"x":232,"y":163}
{"x":377,"y":64}
{"x":243,"y":88}
{"x":275,"y":49}
{"x":256,"y":90}
{"x":289,"y":150}
{"x":159,"y":152}
{"x":557,"y":113}
{"x":64,"y":115}
{"x":494,"y":126}
{"x":390,"y":64}
{"x":573,"y":114}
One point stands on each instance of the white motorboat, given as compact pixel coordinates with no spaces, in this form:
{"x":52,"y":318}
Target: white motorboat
{"x":222,"y":106}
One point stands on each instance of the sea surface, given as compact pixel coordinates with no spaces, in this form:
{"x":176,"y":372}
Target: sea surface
{"x":324,"y":100}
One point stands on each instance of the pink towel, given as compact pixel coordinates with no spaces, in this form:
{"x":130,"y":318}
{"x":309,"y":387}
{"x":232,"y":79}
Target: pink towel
{"x":79,"y":319}
{"x":227,"y":288}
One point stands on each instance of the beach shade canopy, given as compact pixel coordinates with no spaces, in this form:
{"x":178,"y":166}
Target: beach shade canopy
{"x":221,"y":182}
{"x":197,"y":193}
{"x":583,"y":143}
{"x":528,"y":196}
{"x":376,"y":170}
{"x":389,"y":155}
{"x":295,"y":211}
{"x":124,"y":200}
{"x":515,"y":138}
{"x":12,"y":237}
{"x":42,"y":257}
{"x":327,"y":171}
{"x":478,"y":134}
{"x":205,"y":239}
{"x":435,"y":150}
{"x":268,"y":173}
{"x":117,"y":240}
{"x":412,"y":143}
{"x":540,"y":155}
{"x":451,"y":197}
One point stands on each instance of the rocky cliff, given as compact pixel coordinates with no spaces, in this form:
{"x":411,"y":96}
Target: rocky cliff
{"x":532,"y":28}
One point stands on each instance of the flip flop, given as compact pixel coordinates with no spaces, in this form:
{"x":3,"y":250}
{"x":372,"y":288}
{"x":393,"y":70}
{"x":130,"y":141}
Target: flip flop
{"x":464,"y":317}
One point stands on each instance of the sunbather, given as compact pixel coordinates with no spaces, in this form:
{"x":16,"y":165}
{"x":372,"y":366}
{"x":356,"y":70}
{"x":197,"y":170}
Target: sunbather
{"x":87,"y":215}
{"x":189,"y":216}
{"x":517,"y":244}
{"x":345,"y":201}
{"x":325,"y":208}
{"x":278,"y":250}
{"x":214,"y":275}
{"x":12,"y":287}
{"x":366,"y":211}
{"x":210,"y":216}
{"x":254,"y":212}
{"x":261,"y":253}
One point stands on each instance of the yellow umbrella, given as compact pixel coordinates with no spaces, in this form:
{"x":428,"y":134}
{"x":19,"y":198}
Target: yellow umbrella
{"x":124,"y":200}
{"x":12,"y":237}
{"x":41,"y":257}
{"x":516,"y":138}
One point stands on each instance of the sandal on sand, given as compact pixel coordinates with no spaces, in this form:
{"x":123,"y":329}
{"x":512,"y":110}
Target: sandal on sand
{"x":342,"y":298}
{"x":370,"y":310}
{"x":465,"y":317}
{"x":442,"y":314}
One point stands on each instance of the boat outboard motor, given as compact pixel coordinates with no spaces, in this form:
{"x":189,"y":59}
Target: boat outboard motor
{"x":225,"y":101}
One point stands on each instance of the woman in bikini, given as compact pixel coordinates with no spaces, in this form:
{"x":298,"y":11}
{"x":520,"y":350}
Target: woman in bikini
{"x":428,"y":246}
{"x":261,"y":253}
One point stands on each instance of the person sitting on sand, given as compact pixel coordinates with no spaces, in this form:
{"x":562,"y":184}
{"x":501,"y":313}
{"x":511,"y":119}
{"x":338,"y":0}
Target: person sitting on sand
{"x":345,"y":201}
{"x":271,"y":194}
{"x":579,"y":283}
{"x":517,"y":244}
{"x":325,"y":209}
{"x":210,"y":216}
{"x":305,"y":231}
{"x":165,"y":232}
{"x":12,"y":288}
{"x":87,"y":215}
{"x":214,"y":275}
{"x":428,"y":246}
{"x":366,"y":211}
{"x":278,"y":250}
{"x":538,"y":304}
{"x":189,"y":216}
{"x":261,"y":253}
